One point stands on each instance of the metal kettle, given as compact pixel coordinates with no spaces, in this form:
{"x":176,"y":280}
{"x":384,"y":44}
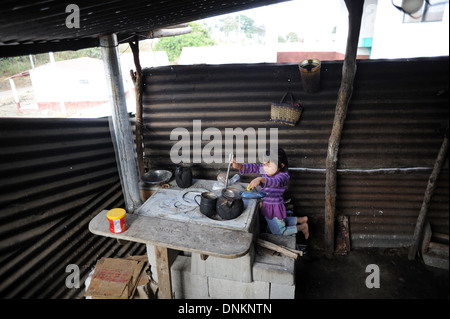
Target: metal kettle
{"x":230,"y":205}
{"x":183,"y":176}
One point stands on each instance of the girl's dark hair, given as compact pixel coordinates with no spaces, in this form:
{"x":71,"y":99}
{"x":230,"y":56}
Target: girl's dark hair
{"x":281,"y":159}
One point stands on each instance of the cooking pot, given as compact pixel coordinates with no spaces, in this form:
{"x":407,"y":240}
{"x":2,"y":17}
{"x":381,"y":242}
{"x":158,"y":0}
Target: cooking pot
{"x":230,"y":204}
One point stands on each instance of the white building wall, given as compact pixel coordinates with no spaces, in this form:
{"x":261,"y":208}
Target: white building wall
{"x":56,"y":82}
{"x":367,"y":25}
{"x":395,"y":39}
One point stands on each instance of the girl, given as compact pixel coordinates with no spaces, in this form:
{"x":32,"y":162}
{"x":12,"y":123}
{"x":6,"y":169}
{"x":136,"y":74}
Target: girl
{"x":274,"y":180}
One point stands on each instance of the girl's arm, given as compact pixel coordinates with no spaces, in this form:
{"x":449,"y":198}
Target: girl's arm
{"x":246,"y":168}
{"x":279,"y":180}
{"x":250,"y":169}
{"x":254,"y":183}
{"x":236,"y":165}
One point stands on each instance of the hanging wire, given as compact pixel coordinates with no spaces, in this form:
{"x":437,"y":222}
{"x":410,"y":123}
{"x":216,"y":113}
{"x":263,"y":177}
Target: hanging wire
{"x":126,"y":39}
{"x":108,"y":46}
{"x":120,"y":53}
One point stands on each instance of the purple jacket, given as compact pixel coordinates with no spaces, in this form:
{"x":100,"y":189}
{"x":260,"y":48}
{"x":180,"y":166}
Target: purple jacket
{"x":273,"y":203}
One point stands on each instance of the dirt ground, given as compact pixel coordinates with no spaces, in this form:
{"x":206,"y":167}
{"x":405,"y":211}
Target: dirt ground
{"x":344,"y":277}
{"x":8,"y":107}
{"x":28,"y":105}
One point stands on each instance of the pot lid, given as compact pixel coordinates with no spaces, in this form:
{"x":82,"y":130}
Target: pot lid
{"x":230,"y":193}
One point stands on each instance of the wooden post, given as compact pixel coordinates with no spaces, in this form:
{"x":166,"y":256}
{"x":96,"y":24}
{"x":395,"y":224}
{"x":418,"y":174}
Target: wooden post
{"x":355,"y":9}
{"x":427,"y":197}
{"x":121,"y":128}
{"x":138,"y":85}
{"x":15,"y":95}
{"x":163,"y":270}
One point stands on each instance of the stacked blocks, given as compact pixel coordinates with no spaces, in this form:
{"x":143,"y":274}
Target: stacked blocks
{"x":259,"y":274}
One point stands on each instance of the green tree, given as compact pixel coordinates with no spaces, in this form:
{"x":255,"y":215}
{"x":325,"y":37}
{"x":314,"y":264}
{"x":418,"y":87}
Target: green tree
{"x":250,"y":29}
{"x":241,"y":23}
{"x":229,"y":24}
{"x":95,"y":53}
{"x":13,"y":65}
{"x":173,"y":46}
{"x":292,"y":37}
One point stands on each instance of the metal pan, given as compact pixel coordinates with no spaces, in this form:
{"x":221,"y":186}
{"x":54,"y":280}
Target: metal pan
{"x":253,"y":194}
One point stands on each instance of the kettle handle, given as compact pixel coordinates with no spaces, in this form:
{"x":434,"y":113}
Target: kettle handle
{"x":195,"y":199}
{"x":179,"y":173}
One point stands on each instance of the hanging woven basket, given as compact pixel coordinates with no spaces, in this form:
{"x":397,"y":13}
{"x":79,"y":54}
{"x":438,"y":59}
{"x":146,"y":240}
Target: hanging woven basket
{"x":287,"y":113}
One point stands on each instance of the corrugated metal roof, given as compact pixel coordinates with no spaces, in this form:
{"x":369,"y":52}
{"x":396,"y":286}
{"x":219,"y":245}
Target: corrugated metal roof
{"x":391,"y":138}
{"x":40,"y":26}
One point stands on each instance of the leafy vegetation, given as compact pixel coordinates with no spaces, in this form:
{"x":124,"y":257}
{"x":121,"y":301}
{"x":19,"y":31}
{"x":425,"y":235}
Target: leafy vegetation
{"x":13,"y":65}
{"x":290,"y":37}
{"x":173,"y":46}
{"x":241,"y":23}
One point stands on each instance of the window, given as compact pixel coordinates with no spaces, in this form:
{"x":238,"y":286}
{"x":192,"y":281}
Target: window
{"x":431,"y":11}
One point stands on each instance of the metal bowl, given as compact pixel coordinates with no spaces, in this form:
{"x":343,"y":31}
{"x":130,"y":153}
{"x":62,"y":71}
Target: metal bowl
{"x":156,"y":177}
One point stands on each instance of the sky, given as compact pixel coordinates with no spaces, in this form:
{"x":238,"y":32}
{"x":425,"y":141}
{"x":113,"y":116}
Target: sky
{"x":299,"y":16}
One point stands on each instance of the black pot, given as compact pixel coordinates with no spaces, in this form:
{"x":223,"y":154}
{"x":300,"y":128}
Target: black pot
{"x":230,"y":205}
{"x":183,"y":176}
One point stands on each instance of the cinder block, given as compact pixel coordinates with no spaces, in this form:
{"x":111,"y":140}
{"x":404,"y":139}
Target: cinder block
{"x":230,"y":289}
{"x":278,"y":269}
{"x":273,"y":269}
{"x":198,"y":266}
{"x":238,"y":269}
{"x":184,"y":284}
{"x":151,"y":255}
{"x":282,"y":291}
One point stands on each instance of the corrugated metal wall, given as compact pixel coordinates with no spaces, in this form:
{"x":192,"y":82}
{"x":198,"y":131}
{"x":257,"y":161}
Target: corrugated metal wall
{"x":55,"y":175}
{"x":395,"y":120}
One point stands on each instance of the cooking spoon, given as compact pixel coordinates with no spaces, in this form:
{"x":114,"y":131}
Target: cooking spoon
{"x":230,"y":159}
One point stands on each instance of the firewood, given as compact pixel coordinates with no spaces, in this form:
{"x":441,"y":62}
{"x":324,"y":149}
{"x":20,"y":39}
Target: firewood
{"x":281,"y":249}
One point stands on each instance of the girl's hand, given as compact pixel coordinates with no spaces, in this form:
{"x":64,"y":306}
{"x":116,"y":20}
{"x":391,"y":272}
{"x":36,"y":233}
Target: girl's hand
{"x":236,"y":165}
{"x":254,"y":183}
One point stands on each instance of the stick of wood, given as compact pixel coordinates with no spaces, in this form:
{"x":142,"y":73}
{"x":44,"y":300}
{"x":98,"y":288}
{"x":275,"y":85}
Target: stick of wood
{"x":138,"y":82}
{"x":168,"y":32}
{"x":295,"y":251}
{"x":281,"y":249}
{"x":355,"y":10}
{"x":427,"y":197}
